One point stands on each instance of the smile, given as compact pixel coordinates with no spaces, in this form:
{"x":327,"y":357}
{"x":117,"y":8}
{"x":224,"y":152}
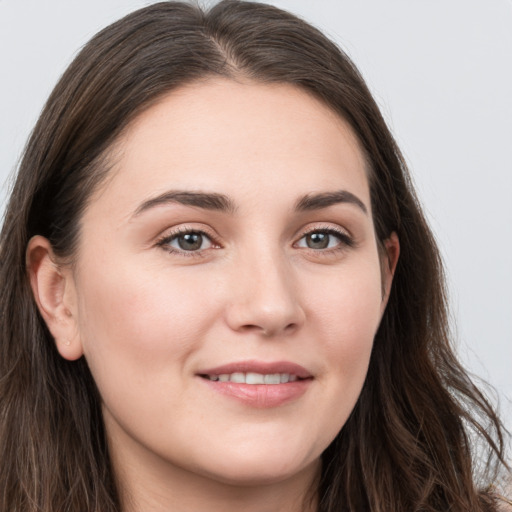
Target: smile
{"x":259,"y":384}
{"x":254,"y":378}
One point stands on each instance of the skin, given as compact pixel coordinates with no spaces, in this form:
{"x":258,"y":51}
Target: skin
{"x":148,"y":316}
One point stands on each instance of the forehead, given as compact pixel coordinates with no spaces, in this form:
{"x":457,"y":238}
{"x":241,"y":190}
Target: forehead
{"x":236,"y":138}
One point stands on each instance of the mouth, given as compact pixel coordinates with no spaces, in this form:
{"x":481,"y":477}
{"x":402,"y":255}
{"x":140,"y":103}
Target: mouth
{"x":257,"y":372}
{"x":259,"y":384}
{"x":253,"y":378}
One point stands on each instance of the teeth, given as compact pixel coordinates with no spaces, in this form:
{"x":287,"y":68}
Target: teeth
{"x":254,"y":378}
{"x":239,"y":378}
{"x":272,"y":378}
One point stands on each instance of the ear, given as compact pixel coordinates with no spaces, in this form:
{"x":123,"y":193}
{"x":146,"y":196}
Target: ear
{"x":54,"y":292}
{"x":389,"y":261}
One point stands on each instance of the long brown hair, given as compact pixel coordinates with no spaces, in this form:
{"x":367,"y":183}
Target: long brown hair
{"x":408,"y":444}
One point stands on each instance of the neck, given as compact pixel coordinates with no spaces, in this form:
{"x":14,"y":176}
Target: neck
{"x":202,"y":494}
{"x":180,"y":491}
{"x":149,"y":484}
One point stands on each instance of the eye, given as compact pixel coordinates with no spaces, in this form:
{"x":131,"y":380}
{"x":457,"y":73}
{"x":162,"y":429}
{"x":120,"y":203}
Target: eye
{"x":187,"y":241}
{"x":321,"y":239}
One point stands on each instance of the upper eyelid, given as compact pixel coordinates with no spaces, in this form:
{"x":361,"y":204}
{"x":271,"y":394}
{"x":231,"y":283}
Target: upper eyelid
{"x":185,"y":228}
{"x":164,"y":240}
{"x":346,"y":239}
{"x":325,"y":227}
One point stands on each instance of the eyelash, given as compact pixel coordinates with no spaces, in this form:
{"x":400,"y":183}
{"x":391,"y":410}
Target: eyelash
{"x":345,"y":241}
{"x":165,"y":242}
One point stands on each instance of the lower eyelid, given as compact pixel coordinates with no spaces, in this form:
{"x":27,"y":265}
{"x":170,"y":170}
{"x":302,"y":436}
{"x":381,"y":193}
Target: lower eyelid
{"x":205,"y":240}
{"x":165,"y":241}
{"x":343,"y":237}
{"x":345,"y":241}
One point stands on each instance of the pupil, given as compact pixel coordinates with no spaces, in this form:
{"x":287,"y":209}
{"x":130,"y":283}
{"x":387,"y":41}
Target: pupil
{"x":318,"y":240}
{"x":190,"y":241}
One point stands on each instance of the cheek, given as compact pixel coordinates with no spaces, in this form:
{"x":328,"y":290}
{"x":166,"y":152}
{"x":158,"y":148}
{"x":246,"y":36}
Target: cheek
{"x":140,"y":323}
{"x":348,"y":313}
{"x":350,"y":303}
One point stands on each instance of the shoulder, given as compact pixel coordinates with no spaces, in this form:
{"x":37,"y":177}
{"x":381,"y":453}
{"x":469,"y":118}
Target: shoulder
{"x":504,"y":498}
{"x":504,"y":504}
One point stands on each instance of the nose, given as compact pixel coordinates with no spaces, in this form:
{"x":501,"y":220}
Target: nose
{"x":264,"y":298}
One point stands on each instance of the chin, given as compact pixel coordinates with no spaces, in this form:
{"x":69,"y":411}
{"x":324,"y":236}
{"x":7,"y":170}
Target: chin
{"x":261,"y":469}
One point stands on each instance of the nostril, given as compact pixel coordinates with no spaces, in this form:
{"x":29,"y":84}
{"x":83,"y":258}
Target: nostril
{"x":269,"y":331}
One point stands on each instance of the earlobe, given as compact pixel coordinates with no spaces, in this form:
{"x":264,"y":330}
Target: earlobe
{"x":53,"y":289}
{"x":389,"y":263}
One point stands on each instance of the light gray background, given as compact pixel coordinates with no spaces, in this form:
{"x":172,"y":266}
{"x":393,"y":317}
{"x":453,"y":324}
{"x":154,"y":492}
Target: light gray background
{"x":441,"y":71}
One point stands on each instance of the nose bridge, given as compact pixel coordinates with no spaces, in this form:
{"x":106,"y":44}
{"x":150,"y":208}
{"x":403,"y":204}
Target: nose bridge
{"x":264,"y":298}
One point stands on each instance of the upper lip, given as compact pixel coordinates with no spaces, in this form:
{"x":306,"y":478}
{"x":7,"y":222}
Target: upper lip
{"x":262,"y":367}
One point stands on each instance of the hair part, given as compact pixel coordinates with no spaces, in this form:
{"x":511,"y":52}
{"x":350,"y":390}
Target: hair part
{"x":406,"y":445}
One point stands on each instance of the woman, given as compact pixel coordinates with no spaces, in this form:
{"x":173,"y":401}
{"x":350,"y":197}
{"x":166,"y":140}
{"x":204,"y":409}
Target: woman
{"x":218,"y":290}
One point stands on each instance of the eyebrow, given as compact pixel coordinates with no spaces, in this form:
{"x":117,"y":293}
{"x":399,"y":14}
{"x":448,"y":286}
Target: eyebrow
{"x":205,"y":200}
{"x":325,"y":199}
{"x":220,"y":202}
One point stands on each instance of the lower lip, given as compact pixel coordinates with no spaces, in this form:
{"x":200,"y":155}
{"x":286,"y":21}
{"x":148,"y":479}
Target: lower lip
{"x":261,"y":395}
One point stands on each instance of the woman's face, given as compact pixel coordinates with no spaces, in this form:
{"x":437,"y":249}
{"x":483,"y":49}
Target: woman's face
{"x":228,"y":286}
